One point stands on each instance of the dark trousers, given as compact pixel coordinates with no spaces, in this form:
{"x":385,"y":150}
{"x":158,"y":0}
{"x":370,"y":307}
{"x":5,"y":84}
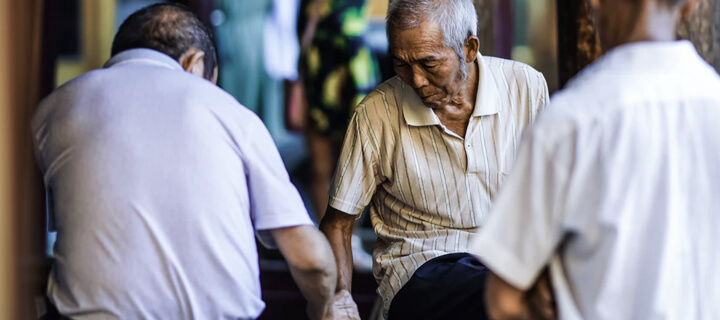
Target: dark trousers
{"x":451,"y":286}
{"x":52,"y":312}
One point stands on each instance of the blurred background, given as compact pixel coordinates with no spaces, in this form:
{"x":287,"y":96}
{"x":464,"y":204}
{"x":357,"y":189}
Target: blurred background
{"x":301,"y":65}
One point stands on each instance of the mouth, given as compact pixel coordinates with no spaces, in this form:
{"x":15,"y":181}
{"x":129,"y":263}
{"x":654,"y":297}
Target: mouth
{"x":431,"y":102}
{"x":428,"y":96}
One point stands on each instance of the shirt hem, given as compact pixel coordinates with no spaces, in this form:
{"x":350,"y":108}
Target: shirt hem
{"x":345,"y":206}
{"x":507,"y":267}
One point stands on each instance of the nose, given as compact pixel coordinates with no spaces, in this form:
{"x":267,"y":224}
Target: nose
{"x":418,"y":77}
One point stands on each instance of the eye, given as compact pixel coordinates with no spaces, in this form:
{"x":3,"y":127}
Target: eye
{"x":430,"y":65}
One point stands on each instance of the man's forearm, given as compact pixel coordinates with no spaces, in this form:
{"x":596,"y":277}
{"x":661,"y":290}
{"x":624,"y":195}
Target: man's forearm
{"x":337,"y":227}
{"x":318,"y":288}
{"x":503,"y":301}
{"x":311,"y":265}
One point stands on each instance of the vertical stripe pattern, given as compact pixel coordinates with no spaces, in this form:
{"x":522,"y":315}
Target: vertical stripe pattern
{"x":429,"y":189}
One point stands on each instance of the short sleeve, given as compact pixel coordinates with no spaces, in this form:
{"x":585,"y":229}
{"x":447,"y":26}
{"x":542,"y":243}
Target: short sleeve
{"x":274,"y":201}
{"x":541,"y":95}
{"x":356,"y":175}
{"x":525,"y":226}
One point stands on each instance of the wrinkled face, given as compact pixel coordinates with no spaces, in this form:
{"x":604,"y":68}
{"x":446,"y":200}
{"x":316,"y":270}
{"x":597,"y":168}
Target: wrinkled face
{"x":422,"y":60}
{"x":614,"y":20}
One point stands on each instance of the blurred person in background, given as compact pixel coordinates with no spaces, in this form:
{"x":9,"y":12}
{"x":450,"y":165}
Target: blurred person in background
{"x":428,"y":150}
{"x":616,"y":185}
{"x":259,"y":51}
{"x":338,"y":71}
{"x":158,"y":181}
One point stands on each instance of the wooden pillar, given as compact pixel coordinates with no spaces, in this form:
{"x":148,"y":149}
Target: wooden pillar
{"x":703,"y":29}
{"x":578,"y":43}
{"x":7,"y":194}
{"x":21,"y":196}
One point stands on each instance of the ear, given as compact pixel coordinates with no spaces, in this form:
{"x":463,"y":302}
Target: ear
{"x":192,"y":61}
{"x":689,"y":8}
{"x":216,"y":72}
{"x":470,"y":49}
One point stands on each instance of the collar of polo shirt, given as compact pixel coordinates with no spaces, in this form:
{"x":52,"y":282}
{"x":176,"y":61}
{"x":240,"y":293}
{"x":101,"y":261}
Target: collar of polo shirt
{"x":143,"y":55}
{"x":486,"y":101}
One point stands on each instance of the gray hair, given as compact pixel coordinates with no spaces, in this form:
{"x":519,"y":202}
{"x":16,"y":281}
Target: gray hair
{"x":457,"y":20}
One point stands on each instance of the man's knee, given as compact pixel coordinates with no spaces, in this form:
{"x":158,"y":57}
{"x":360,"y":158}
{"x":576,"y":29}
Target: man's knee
{"x":447,"y":287}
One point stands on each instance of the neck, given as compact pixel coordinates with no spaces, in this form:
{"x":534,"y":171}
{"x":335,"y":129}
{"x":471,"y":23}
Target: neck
{"x":656,"y":22}
{"x":466,"y":99}
{"x":473,"y":78}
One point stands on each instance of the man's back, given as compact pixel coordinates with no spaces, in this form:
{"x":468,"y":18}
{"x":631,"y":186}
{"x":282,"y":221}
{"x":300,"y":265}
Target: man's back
{"x":147,"y":169}
{"x":643,"y":200}
{"x":624,"y":169}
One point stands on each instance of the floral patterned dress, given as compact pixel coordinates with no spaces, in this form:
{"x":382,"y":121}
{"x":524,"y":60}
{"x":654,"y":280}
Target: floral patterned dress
{"x":340,"y":70}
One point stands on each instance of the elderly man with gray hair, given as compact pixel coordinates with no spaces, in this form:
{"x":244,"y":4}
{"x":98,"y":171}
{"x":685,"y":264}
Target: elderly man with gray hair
{"x":428,"y":150}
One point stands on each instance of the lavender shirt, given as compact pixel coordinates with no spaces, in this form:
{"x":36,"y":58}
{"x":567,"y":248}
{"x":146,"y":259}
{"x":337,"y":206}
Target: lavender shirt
{"x":158,"y":182}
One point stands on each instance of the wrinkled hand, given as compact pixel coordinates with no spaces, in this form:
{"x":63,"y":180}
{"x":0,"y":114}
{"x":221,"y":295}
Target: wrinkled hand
{"x":540,"y":299}
{"x":344,"y":308}
{"x":319,"y":313}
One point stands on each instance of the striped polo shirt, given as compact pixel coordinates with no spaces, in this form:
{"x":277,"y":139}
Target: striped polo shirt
{"x":429,"y":188}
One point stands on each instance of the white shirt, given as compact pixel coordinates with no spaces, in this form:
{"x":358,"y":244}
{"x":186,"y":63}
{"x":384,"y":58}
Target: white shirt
{"x":158,"y":181}
{"x":617,"y":186}
{"x":429,"y":188}
{"x":281,"y":46}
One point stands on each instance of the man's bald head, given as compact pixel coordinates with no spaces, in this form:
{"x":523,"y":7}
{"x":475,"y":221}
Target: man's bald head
{"x":169,"y":28}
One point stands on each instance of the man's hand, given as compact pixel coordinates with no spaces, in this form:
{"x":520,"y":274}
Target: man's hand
{"x":504,"y":301}
{"x":540,"y":298}
{"x":312,"y":266}
{"x":344,"y":308}
{"x":320,"y":313}
{"x":337,"y":227}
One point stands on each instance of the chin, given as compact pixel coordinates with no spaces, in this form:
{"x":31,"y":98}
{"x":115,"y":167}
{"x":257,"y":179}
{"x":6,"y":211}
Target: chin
{"x":430,"y":104}
{"x":434,"y":104}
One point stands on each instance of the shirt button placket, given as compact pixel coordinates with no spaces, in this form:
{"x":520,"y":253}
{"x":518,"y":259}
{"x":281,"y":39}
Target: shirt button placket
{"x":469,"y":156}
